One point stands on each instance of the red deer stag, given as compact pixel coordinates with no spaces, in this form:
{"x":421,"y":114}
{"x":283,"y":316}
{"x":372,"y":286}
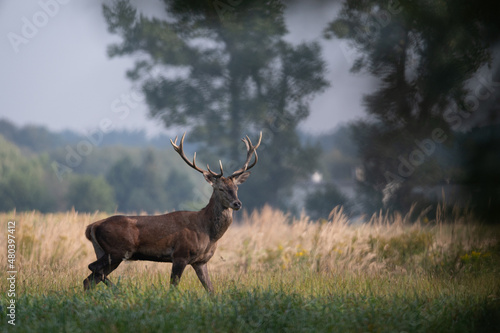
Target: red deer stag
{"x":182,"y":238}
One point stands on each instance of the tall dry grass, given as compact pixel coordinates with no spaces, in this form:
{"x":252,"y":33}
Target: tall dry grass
{"x":270,"y":239}
{"x":52,"y":251}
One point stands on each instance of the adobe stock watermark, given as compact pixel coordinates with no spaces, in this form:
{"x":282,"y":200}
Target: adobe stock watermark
{"x":30,"y":26}
{"x":11,"y":273}
{"x":120,"y":108}
{"x":426,"y":147}
{"x":74,"y":156}
{"x":483,"y":91}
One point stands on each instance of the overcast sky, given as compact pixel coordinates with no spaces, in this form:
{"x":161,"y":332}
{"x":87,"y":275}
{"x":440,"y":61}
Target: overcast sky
{"x":56,"y":71}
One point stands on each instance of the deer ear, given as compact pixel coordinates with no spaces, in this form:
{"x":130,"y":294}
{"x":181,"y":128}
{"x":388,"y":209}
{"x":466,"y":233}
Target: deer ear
{"x":241,"y":178}
{"x":209,"y":177}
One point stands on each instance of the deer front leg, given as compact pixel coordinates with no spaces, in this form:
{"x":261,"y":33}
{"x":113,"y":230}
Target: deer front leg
{"x":177,"y":270}
{"x":202,"y":272}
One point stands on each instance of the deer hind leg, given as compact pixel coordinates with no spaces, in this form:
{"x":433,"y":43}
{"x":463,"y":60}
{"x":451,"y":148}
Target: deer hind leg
{"x":101,"y":268}
{"x":202,"y":273}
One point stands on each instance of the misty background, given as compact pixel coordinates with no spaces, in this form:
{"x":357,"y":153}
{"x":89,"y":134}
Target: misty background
{"x":373,"y":116}
{"x":63,"y":79}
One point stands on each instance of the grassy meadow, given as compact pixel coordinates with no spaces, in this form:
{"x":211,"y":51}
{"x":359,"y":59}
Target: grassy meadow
{"x":271,"y":272}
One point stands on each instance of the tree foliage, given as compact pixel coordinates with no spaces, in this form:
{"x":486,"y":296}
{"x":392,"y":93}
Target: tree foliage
{"x":481,"y":167}
{"x":144,"y":186}
{"x":22,"y":181}
{"x":424,"y":55}
{"x":136,"y":180}
{"x":88,"y":193}
{"x":225,"y":71}
{"x":35,"y":138}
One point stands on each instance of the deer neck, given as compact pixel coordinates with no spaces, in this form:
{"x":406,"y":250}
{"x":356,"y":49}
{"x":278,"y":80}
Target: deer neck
{"x":219,"y":217}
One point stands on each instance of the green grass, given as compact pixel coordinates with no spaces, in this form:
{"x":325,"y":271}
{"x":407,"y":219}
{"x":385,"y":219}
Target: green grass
{"x":292,"y":301}
{"x":270,"y":275}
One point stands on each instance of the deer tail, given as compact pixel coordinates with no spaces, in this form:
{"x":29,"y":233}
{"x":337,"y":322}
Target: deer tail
{"x":90,"y":234}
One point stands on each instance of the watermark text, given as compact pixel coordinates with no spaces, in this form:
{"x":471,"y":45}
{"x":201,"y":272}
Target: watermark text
{"x":11,"y":272}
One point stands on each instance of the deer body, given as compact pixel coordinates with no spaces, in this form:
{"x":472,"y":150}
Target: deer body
{"x":182,"y":238}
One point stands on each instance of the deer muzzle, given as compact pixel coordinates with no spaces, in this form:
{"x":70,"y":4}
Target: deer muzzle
{"x":236,"y":205}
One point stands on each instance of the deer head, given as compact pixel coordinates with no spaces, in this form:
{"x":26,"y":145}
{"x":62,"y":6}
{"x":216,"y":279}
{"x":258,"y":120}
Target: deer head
{"x":225,"y":188}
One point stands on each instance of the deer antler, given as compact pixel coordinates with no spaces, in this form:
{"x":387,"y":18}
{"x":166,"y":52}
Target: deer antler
{"x":250,"y":151}
{"x":180,"y":150}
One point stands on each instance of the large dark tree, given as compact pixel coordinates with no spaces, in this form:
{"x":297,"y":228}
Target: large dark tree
{"x":425,"y":55}
{"x":223,"y":70}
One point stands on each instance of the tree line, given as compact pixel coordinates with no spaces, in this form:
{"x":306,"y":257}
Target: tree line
{"x":137,"y":175}
{"x":113,"y":178}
